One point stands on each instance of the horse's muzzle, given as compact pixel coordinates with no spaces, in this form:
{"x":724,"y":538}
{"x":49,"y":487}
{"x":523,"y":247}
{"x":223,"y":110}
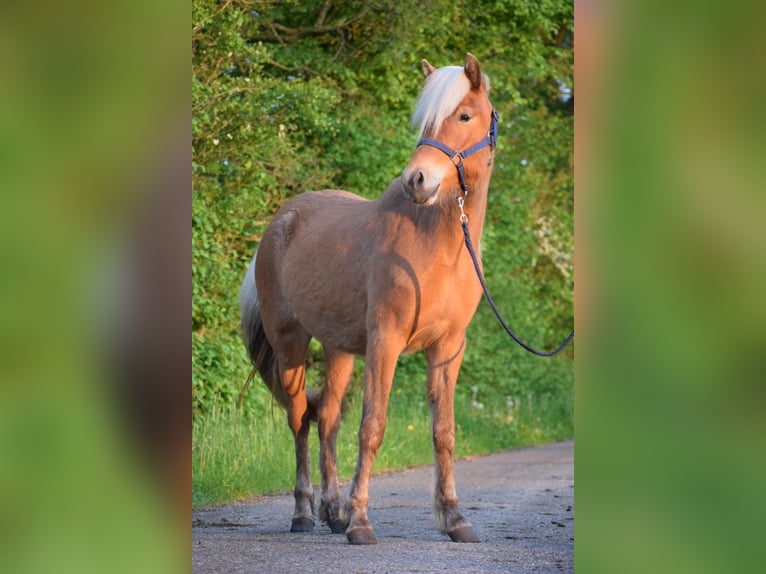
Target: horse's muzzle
{"x":418,"y":187}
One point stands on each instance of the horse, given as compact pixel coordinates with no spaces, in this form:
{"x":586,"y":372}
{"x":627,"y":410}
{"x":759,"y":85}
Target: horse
{"x":377,"y":278}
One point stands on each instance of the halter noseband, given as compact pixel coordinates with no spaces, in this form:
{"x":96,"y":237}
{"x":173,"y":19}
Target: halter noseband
{"x":457,"y":157}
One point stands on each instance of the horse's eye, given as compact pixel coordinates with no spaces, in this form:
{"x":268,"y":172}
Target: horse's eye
{"x":465,"y":118}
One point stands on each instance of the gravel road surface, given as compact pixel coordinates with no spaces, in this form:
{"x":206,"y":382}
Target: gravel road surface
{"x":520,"y":502}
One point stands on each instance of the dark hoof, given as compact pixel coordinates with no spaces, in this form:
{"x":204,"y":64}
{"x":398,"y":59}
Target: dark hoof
{"x":463,"y":534}
{"x":337,"y":526}
{"x":361,"y":536}
{"x":302,"y":525}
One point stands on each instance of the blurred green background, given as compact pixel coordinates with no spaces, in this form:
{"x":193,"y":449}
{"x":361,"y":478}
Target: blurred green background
{"x":670,"y":378}
{"x":93,"y":100}
{"x":297,"y":96}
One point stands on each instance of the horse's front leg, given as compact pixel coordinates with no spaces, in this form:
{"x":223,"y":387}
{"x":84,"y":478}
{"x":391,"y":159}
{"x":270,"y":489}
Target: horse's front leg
{"x":444,"y":359}
{"x":380,"y":363}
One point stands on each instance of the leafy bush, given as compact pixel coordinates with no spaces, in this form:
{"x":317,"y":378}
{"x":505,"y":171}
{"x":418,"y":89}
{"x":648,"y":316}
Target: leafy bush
{"x":293,"y":96}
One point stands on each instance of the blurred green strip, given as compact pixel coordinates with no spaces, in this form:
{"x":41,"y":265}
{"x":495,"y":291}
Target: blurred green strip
{"x":90,"y":103}
{"x":670,"y":394}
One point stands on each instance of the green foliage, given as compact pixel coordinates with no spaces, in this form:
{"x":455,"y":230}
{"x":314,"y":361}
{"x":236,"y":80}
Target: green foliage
{"x":294,"y":96}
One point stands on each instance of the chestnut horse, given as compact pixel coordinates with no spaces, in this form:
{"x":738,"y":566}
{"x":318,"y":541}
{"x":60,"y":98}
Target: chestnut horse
{"x":377,"y":279}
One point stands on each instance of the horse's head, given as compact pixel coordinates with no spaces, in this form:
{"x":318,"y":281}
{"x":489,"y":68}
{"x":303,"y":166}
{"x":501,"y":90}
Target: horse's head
{"x":455,"y":117}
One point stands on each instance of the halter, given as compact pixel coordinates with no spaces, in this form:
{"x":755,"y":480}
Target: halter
{"x":457,"y":157}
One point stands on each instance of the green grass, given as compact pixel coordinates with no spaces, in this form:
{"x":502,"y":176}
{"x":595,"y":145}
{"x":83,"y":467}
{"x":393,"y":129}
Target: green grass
{"x":236,"y":456}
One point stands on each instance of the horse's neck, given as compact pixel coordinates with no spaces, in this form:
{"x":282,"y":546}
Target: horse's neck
{"x":438,"y":225}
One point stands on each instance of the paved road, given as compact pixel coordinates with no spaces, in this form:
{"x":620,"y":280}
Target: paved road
{"x":520,"y":502}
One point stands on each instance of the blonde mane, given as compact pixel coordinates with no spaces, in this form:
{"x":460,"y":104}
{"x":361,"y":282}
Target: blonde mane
{"x":444,"y":89}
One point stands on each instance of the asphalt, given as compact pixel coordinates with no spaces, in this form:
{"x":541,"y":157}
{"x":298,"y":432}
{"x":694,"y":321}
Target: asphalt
{"x":520,"y":502}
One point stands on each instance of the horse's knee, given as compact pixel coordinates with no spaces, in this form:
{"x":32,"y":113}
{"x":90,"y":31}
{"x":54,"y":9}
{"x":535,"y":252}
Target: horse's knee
{"x":371,"y":432}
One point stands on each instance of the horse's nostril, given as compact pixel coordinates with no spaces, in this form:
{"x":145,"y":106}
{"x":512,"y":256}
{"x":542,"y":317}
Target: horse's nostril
{"x":416,"y":180}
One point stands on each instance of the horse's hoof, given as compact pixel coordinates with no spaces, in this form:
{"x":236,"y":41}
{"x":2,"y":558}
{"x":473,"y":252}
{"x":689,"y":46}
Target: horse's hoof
{"x":302,"y":525}
{"x":337,"y":526}
{"x":361,"y":536}
{"x":463,"y":533}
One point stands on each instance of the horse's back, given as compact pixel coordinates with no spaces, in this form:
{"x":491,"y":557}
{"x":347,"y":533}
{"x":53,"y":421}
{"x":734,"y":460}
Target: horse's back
{"x":323,"y":200}
{"x":330,"y":217}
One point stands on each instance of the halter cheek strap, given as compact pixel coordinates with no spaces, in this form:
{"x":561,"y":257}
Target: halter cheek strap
{"x":457,"y":157}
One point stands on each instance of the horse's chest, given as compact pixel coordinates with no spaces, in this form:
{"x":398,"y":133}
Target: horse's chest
{"x":443,"y":308}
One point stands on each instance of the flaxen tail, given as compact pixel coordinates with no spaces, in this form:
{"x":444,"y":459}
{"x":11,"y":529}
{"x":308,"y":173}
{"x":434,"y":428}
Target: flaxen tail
{"x":259,"y":349}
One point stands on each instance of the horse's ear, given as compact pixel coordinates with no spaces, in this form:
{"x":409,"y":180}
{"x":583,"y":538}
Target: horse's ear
{"x":473,"y":71}
{"x":428,"y":69}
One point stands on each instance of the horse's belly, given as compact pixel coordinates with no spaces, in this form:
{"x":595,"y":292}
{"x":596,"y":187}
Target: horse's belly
{"x":336,"y":327}
{"x":330,"y":306}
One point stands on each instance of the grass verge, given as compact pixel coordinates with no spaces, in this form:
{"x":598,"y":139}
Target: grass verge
{"x":235,"y":457}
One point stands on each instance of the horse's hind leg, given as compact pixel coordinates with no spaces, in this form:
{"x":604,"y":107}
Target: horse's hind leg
{"x":444,"y":361}
{"x":291,"y":358}
{"x":339,"y":368}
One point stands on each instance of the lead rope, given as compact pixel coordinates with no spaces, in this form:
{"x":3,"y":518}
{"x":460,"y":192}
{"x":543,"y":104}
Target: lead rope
{"x":469,"y":245}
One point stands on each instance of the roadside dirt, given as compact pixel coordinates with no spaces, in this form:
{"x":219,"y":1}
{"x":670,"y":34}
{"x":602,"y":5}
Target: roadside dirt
{"x":520,"y":502}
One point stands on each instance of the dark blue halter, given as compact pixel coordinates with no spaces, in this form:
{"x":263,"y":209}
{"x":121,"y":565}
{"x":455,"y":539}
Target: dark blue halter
{"x":457,"y":157}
